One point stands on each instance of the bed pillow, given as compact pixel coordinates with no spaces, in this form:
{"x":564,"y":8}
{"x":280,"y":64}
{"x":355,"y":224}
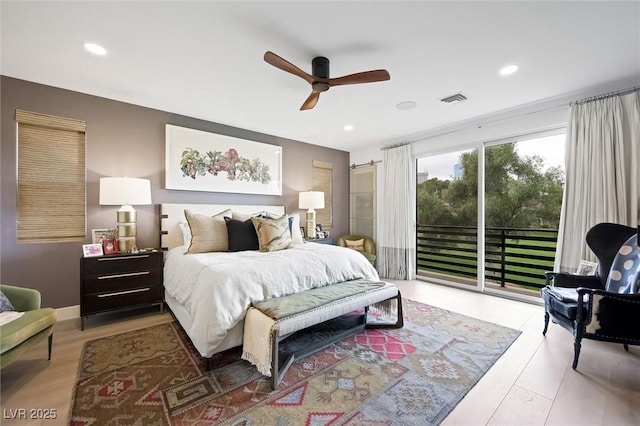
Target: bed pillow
{"x":355,"y":244}
{"x":186,"y":233}
{"x":246,"y":216}
{"x":273,"y":234}
{"x":242,"y":235}
{"x":5,"y":304}
{"x":294,"y":228}
{"x":208,"y":233}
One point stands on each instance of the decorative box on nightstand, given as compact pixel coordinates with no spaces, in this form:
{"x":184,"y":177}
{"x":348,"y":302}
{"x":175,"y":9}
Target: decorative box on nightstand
{"x":320,"y":240}
{"x":120,"y":281}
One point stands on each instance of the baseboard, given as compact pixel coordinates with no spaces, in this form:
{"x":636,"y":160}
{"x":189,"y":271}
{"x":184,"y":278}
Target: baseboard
{"x":68,"y":312}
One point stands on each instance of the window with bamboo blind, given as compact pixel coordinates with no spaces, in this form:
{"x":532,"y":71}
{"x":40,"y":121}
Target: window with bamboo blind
{"x":51,"y":178}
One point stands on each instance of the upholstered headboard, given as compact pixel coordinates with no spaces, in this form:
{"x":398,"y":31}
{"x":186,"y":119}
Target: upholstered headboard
{"x":171,"y":215}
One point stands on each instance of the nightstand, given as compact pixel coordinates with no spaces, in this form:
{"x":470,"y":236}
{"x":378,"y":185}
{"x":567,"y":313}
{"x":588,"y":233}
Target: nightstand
{"x":320,"y":241}
{"x":120,"y":281}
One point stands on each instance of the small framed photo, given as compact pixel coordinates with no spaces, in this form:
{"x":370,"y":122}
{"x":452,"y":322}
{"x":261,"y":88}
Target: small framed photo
{"x":110,"y":246}
{"x":302,"y":232}
{"x":587,"y":268}
{"x":99,"y":235}
{"x":92,"y":249}
{"x":320,"y":234}
{"x":318,"y":228}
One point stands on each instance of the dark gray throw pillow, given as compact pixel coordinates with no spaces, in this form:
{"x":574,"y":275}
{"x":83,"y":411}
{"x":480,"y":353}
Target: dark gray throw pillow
{"x":242,"y":235}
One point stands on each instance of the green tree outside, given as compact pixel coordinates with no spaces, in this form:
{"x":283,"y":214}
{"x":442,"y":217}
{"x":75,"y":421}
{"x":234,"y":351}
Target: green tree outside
{"x":519,"y":192}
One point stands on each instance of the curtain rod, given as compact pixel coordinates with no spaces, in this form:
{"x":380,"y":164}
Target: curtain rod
{"x":550,"y":108}
{"x":370,"y":163}
{"x":395,"y":145}
{"x":606,"y":95}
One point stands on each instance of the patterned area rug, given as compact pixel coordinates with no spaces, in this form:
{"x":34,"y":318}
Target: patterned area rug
{"x":412,"y":376}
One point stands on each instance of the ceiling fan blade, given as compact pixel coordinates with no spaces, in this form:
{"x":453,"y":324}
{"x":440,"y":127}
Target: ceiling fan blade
{"x":361,"y":77}
{"x":311,"y":101}
{"x":275,"y":60}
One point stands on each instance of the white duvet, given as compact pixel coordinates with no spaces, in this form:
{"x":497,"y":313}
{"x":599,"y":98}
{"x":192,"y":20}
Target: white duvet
{"x":218,"y":288}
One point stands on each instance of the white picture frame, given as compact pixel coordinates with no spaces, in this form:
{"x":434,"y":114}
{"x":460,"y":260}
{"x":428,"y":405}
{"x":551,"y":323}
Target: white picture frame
{"x":92,"y":250}
{"x":202,"y":161}
{"x":587,"y":268}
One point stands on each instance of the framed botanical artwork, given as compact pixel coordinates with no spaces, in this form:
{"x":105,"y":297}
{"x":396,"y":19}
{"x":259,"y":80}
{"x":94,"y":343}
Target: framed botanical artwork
{"x":587,"y":268}
{"x":204,"y":161}
{"x":101,"y":234}
{"x":92,"y":250}
{"x":110,"y":246}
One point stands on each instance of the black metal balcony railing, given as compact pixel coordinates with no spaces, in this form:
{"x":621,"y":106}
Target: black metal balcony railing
{"x":513,"y":256}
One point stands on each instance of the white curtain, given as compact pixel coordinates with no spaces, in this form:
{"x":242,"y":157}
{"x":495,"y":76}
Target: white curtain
{"x":602,"y":156}
{"x":397,"y":240}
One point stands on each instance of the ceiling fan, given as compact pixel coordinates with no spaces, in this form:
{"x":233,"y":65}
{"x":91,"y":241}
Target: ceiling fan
{"x":319,"y":78}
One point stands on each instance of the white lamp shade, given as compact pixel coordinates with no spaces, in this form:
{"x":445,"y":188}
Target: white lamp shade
{"x":116,"y":191}
{"x":311,"y":200}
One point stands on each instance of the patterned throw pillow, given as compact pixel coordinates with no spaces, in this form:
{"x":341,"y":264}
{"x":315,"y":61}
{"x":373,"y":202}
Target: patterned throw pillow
{"x":242,"y":235}
{"x":624,"y":275}
{"x":208,"y":233}
{"x":5,"y":304}
{"x":355,"y":244}
{"x":273,"y":234}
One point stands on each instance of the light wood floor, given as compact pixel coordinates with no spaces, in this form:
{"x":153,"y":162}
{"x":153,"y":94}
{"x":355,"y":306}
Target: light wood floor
{"x":531,"y":384}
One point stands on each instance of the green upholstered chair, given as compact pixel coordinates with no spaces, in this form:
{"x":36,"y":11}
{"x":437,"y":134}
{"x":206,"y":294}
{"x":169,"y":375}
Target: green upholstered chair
{"x":19,"y":335}
{"x":369,"y":247}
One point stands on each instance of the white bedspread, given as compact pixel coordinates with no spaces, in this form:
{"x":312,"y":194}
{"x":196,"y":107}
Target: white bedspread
{"x":218,"y":288}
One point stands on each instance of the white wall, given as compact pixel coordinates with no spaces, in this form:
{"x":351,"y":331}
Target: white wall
{"x":543,"y":115}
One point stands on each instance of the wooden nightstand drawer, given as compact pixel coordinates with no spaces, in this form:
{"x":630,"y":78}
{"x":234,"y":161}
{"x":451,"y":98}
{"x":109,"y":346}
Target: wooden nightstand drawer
{"x":121,"y":264}
{"x":122,"y":281}
{"x":102,"y":302}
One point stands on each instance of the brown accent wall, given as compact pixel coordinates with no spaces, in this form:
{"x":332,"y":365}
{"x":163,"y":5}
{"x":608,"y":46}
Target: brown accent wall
{"x":128,"y":140}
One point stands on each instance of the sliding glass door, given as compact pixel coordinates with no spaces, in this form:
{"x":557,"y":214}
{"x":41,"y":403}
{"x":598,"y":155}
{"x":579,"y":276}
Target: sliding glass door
{"x":523,"y":183}
{"x":447,"y":206}
{"x":488,"y":217}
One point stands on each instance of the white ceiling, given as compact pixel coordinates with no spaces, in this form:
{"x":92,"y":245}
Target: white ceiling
{"x":204,"y":59}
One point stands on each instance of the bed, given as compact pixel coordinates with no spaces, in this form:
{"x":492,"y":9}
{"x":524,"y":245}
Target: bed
{"x":209,"y":293}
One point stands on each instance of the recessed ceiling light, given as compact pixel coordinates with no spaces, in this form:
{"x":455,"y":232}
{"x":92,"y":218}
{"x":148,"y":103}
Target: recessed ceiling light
{"x":509,"y":69}
{"x":348,"y":127}
{"x":406,"y":105}
{"x":96,"y":49}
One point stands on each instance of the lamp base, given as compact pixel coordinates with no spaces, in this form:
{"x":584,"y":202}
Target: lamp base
{"x":311,"y":224}
{"x":126,"y":229}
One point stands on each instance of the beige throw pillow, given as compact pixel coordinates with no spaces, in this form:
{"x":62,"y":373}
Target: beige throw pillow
{"x":208,"y":233}
{"x":355,"y":244}
{"x":273,"y":234}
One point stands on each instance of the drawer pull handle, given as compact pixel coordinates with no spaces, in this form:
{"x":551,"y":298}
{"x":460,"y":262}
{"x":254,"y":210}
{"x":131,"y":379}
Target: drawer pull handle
{"x":139,"y":256}
{"x":120,"y":293}
{"x":131,"y":274}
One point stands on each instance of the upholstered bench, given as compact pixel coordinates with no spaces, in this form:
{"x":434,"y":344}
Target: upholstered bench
{"x":269,"y":322}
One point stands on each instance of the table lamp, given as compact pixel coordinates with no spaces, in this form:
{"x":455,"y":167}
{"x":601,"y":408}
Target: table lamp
{"x":127,"y":192}
{"x":311,"y":200}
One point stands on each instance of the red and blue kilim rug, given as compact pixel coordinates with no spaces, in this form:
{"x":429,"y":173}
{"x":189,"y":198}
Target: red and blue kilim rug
{"x":415,"y":375}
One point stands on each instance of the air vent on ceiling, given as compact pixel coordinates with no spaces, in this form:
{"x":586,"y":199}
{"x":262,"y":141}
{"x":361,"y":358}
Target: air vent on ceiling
{"x":458,"y":97}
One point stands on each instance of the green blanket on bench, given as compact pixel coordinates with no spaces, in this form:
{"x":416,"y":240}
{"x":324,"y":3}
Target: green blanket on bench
{"x":282,"y":307}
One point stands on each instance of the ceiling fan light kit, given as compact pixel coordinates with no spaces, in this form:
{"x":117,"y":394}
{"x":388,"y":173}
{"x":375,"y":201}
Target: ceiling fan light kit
{"x":319,"y":78}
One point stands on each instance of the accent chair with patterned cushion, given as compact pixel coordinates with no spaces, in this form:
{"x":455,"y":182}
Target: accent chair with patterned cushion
{"x":34,"y":325}
{"x":605,"y":306}
{"x":361,"y":243}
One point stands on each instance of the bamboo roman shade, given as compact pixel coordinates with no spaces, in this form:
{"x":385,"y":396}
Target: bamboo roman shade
{"x":51,"y":178}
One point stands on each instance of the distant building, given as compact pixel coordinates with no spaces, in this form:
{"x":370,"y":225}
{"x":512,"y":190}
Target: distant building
{"x":458,"y":171}
{"x":422,"y":177}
